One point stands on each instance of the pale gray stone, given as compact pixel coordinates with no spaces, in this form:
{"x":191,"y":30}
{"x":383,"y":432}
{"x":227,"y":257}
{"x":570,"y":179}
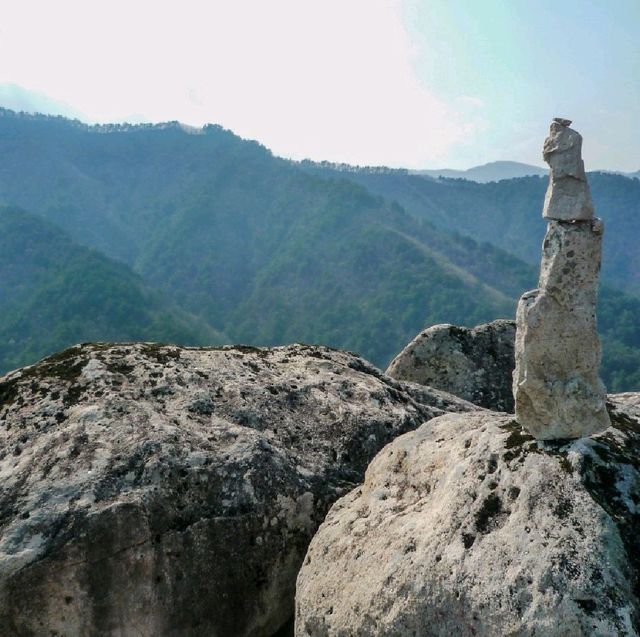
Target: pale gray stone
{"x":556,"y":387}
{"x":568,"y":197}
{"x":557,"y":391}
{"x":628,"y":399}
{"x":470,"y":527}
{"x":475,"y":364}
{"x":155,"y":490}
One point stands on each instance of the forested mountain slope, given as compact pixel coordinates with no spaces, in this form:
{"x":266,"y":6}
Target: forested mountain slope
{"x":299,"y":258}
{"x":508,"y":213}
{"x":259,"y":248}
{"x":54,"y":293}
{"x":109,"y":187}
{"x":255,"y":246}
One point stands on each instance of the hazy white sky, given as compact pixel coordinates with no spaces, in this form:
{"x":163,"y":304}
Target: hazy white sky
{"x":417,"y":83}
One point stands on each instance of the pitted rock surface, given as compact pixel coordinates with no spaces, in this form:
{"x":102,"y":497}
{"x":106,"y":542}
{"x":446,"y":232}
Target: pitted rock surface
{"x":151,"y":490}
{"x":474,"y":364}
{"x":470,"y":527}
{"x":558,"y":392}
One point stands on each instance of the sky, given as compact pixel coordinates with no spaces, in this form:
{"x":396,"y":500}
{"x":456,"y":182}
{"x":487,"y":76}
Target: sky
{"x":413,"y":83}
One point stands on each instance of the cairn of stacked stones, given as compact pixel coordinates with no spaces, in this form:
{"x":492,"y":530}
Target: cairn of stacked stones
{"x":558,"y":393}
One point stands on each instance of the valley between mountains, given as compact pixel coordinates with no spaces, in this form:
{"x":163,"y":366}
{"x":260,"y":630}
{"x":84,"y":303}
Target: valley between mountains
{"x":198,"y":237}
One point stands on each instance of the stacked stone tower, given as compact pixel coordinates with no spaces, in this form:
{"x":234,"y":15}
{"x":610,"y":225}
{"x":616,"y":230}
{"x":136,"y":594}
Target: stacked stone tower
{"x":558,"y":393}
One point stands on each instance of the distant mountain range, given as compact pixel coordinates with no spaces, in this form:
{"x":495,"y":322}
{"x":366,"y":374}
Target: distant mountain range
{"x":499,"y":171}
{"x":256,"y":249}
{"x":261,"y":250}
{"x":493,"y":171}
{"x":486,"y":173}
{"x":17,"y":98}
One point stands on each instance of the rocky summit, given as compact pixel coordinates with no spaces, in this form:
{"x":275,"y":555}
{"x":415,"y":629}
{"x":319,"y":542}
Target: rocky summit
{"x":159,"y":491}
{"x":470,"y":527}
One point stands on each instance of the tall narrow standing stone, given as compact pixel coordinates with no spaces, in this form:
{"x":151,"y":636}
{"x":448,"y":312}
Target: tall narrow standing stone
{"x":568,"y":197}
{"x":556,"y":387}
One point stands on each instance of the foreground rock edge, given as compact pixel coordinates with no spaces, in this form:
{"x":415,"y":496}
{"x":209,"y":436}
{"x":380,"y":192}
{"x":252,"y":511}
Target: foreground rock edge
{"x":469,"y":526}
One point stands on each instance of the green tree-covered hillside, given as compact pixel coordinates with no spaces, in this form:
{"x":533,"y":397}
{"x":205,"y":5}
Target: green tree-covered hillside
{"x":508,"y":213}
{"x":258,"y":248}
{"x":54,"y":293}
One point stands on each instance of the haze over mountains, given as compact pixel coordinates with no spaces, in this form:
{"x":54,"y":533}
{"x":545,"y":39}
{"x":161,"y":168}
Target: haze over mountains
{"x":125,"y":224}
{"x":17,"y":98}
{"x":497,"y":171}
{"x":493,"y":171}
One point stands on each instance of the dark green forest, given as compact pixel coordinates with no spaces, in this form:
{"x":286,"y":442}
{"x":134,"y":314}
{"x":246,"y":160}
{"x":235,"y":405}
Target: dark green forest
{"x":54,"y":293}
{"x":508,"y":213}
{"x":199,"y":237}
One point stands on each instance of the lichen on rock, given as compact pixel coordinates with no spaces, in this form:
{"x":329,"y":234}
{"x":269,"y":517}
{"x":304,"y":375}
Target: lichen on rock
{"x":159,"y":490}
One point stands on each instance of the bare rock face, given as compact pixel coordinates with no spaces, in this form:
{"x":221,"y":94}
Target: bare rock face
{"x":150,"y":490}
{"x":556,"y":387}
{"x":568,"y":197}
{"x":469,"y":527}
{"x":474,"y":364}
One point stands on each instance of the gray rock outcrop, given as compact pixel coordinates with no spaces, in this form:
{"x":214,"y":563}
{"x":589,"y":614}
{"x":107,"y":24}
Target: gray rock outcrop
{"x":469,"y":527}
{"x":151,"y":490}
{"x":475,"y":364}
{"x":557,"y":390}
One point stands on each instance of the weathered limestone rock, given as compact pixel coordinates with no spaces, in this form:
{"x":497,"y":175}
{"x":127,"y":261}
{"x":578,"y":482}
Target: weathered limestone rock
{"x":556,"y":387}
{"x":474,"y":364}
{"x":151,"y":490}
{"x":568,"y":197}
{"x":469,"y":527}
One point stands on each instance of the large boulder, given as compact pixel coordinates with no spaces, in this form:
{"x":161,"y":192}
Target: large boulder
{"x":468,"y":526}
{"x":150,"y":490}
{"x":475,"y":364}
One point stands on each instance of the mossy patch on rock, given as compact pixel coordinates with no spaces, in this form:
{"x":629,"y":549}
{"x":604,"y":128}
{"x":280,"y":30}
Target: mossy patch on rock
{"x":176,"y":489}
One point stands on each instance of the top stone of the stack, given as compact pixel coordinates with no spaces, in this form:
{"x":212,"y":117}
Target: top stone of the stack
{"x":568,"y":197}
